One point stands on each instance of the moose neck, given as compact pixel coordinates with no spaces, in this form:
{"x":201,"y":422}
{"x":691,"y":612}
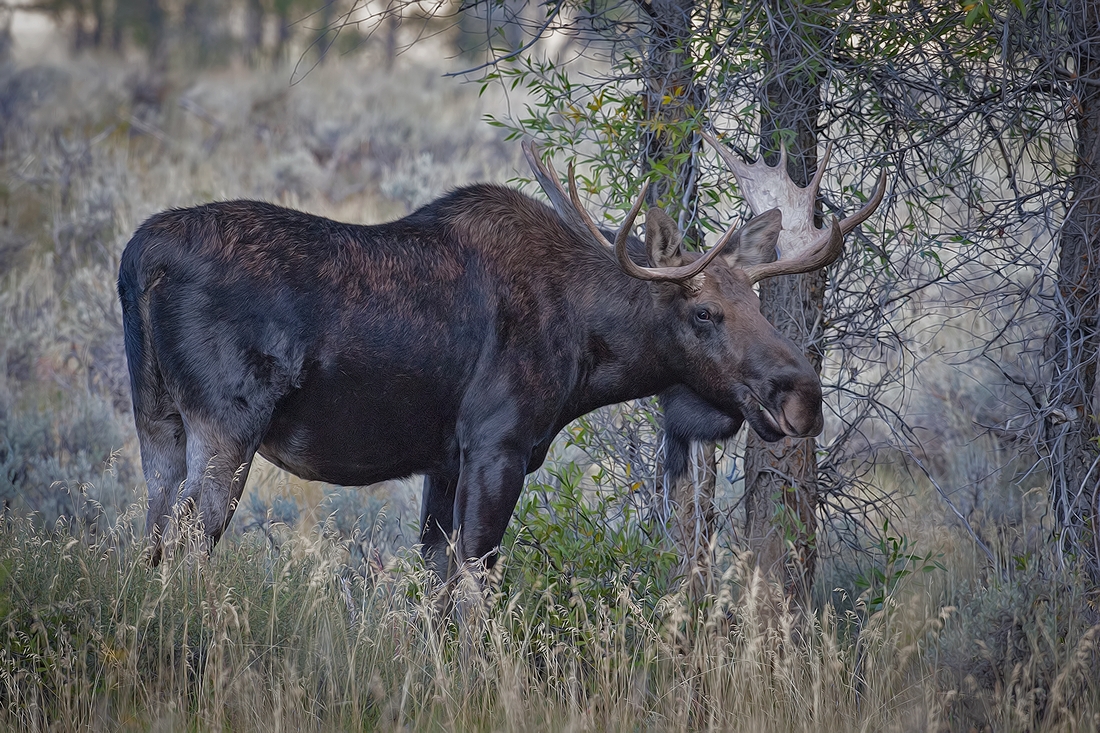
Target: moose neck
{"x":627,"y":341}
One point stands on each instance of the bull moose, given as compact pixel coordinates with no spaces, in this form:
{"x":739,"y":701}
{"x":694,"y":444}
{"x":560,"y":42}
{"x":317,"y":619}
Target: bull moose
{"x":455,"y":343}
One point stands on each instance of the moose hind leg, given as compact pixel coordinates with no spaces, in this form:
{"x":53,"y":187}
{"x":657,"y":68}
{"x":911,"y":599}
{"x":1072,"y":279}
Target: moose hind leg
{"x":437,"y":522}
{"x":217,"y":468}
{"x":163,"y":444}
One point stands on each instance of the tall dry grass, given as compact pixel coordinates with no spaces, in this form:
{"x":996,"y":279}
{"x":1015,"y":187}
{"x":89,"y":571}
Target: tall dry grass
{"x":256,"y":638}
{"x":572,"y":632}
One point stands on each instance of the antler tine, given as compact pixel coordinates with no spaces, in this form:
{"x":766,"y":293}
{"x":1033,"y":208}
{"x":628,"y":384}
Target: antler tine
{"x":657,"y":274}
{"x":723,"y":153}
{"x":551,"y":184}
{"x":545,"y":170}
{"x":547,"y":178}
{"x":851,"y":222}
{"x":624,"y":230}
{"x":534,"y":159}
{"x":815,"y":184}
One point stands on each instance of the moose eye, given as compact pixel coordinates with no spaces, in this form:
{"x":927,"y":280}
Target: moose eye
{"x":702,"y":315}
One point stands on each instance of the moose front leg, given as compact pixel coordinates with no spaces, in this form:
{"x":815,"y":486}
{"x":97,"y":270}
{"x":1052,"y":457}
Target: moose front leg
{"x":488,"y":489}
{"x":461,"y":547}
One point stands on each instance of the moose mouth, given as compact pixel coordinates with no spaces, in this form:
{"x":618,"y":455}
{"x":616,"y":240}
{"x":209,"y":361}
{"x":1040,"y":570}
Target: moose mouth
{"x":789,"y":416}
{"x":770,"y":423}
{"x":765,"y":424}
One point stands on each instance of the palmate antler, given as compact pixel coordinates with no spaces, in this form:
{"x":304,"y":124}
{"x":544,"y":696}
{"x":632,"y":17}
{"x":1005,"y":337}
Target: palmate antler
{"x":803,"y":247}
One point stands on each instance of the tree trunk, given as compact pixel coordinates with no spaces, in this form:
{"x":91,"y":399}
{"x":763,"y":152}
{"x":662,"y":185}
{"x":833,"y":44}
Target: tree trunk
{"x":282,"y":35}
{"x":673,"y":103}
{"x":253,"y":44}
{"x":156,"y":22}
{"x":99,"y":17}
{"x":781,"y":478}
{"x":390,"y":33}
{"x":1075,"y":396}
{"x":694,"y":524}
{"x":6,"y":42}
{"x":325,"y":36}
{"x":118,"y":18}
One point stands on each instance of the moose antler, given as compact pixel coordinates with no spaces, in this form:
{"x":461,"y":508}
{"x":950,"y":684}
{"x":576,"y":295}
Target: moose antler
{"x":803,"y":247}
{"x":574,"y":211}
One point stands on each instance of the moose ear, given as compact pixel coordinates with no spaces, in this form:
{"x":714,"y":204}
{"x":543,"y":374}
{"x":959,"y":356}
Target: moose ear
{"x":662,"y":240}
{"x":755,"y":242}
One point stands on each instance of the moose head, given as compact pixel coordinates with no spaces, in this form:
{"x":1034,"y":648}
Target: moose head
{"x":725,"y":350}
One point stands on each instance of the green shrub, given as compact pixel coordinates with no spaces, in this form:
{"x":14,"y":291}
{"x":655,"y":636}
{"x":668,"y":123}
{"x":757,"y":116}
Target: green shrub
{"x":576,"y":544}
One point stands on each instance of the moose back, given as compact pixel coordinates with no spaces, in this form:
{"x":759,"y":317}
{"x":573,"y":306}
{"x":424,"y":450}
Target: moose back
{"x":453,"y":343}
